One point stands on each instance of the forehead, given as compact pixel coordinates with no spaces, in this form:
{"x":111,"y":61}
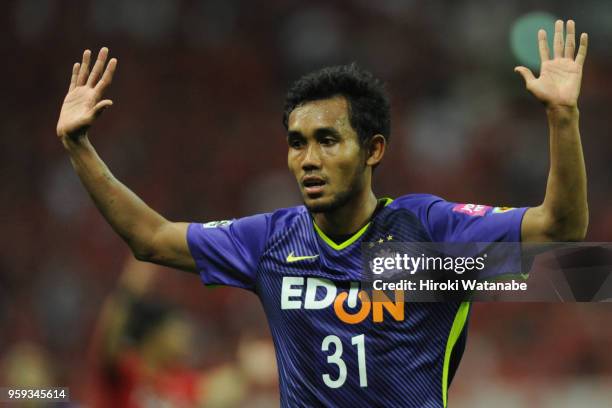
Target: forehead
{"x":332,"y":112}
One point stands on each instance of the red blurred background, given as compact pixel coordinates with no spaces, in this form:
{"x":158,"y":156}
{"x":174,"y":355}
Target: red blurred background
{"x":196,"y":131}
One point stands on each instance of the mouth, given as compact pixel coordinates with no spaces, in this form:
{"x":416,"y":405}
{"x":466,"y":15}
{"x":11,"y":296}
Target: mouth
{"x":313,"y":185}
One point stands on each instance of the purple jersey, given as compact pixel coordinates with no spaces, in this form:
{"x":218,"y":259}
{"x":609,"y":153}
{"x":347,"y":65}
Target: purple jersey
{"x":334,"y":348}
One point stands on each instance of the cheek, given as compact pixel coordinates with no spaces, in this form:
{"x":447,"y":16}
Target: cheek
{"x":291,"y":160}
{"x":348,"y":164}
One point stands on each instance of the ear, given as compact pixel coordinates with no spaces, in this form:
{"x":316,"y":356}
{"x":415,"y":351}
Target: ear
{"x":375,"y":149}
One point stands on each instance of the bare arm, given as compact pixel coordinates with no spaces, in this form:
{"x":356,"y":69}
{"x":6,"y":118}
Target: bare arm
{"x":150,"y":236}
{"x":564,"y":214}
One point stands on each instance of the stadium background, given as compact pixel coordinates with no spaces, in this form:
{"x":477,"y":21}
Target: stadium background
{"x":196,"y":132}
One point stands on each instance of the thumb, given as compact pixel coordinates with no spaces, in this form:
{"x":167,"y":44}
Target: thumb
{"x":101,"y":106}
{"x":525,"y":73}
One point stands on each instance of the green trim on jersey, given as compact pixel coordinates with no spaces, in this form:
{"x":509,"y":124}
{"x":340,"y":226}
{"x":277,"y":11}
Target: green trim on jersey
{"x":355,"y":237}
{"x":388,"y":200}
{"x":343,"y":245}
{"x":455,"y":332}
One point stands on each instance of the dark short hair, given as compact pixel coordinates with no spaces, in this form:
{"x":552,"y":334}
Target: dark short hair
{"x":145,"y":317}
{"x":368,"y":103}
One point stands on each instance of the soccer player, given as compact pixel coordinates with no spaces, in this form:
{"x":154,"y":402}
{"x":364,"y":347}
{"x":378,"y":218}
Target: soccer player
{"x":333,"y":346}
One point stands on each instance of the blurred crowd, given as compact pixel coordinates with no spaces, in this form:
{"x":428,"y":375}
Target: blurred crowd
{"x":196,"y":131}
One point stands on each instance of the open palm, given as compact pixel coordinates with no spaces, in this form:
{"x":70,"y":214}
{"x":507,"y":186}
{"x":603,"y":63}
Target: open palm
{"x":560,"y":77}
{"x":83,"y":102}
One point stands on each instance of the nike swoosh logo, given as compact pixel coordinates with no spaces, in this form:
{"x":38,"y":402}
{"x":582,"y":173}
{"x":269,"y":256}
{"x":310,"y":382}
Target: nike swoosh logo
{"x":292,"y":258}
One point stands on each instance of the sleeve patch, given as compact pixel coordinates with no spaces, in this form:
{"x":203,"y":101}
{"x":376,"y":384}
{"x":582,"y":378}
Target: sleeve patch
{"x":216,"y":224}
{"x":498,"y":210}
{"x":475,"y":210}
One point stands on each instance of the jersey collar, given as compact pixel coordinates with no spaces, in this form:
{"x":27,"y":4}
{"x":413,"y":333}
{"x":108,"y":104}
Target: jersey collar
{"x":353,"y":238}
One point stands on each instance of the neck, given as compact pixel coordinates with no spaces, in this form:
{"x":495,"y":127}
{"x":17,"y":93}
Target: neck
{"x":349,"y":218}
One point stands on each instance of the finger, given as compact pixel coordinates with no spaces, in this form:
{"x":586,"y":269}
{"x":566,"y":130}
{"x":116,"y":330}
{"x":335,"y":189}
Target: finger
{"x":84,"y":71}
{"x":543,"y":45}
{"x":96,"y":72}
{"x":582,"y":50}
{"x":75,"y":74}
{"x":107,"y":78}
{"x":558,"y":39}
{"x":525,"y":73}
{"x":570,"y":39}
{"x":101,"y":106}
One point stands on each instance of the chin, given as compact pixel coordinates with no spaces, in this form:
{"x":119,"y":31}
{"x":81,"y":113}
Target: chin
{"x":326,"y":204}
{"x":319,"y":207}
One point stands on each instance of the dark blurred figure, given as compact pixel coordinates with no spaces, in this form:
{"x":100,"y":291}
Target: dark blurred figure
{"x":141,"y":349}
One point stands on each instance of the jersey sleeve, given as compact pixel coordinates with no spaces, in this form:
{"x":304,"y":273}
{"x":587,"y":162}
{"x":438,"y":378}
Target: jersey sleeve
{"x":479,"y":225}
{"x":227,"y":252}
{"x":453,"y":222}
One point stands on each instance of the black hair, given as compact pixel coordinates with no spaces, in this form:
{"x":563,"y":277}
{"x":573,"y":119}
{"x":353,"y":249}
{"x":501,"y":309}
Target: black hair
{"x":368,"y":103}
{"x":146,"y":316}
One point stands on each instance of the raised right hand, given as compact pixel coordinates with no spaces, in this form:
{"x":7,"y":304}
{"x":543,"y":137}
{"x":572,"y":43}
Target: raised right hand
{"x":83,"y":102}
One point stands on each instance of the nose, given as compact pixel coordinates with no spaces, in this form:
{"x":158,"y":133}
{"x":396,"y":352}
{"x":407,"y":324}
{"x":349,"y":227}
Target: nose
{"x":312,"y":159}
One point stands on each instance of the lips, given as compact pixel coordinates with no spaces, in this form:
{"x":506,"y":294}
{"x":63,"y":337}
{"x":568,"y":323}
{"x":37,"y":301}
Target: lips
{"x":313,"y":185}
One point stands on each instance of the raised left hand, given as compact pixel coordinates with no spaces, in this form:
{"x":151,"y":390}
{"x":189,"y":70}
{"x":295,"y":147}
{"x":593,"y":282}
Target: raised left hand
{"x":559,"y":82}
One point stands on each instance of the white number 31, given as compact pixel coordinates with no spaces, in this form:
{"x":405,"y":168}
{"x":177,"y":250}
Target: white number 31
{"x":336,"y":358}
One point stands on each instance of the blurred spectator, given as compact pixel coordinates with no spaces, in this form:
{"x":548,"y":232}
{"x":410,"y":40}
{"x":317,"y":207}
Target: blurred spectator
{"x":143,"y":347}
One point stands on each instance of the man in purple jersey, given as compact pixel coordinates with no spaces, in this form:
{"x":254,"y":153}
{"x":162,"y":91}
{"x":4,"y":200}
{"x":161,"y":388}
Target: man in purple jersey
{"x":335,"y":347}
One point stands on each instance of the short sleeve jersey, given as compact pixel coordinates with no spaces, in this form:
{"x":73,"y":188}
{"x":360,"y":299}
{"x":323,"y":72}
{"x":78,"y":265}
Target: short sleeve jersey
{"x":333,"y":346}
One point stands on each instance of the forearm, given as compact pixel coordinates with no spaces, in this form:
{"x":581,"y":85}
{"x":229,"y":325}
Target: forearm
{"x":128,"y":215}
{"x":565,"y":204}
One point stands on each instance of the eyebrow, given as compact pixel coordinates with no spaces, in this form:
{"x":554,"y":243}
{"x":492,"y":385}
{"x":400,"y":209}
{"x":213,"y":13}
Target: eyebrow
{"x":320,"y":132}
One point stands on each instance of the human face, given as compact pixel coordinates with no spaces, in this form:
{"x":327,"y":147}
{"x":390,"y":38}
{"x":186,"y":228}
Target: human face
{"x":325,"y":154}
{"x":173,"y":339}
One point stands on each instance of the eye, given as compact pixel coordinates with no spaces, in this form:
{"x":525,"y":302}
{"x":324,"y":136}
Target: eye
{"x":295,"y":143}
{"x":327,"y":141}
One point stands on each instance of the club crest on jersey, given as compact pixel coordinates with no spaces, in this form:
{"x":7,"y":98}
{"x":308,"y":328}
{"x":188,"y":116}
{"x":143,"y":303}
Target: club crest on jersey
{"x":351,"y":307}
{"x":499,"y":210}
{"x":216,"y":224}
{"x":475,"y":210}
